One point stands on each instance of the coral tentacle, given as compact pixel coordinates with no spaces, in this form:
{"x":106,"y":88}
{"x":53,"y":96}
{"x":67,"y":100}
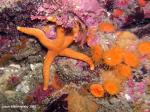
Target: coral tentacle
{"x":76,"y":55}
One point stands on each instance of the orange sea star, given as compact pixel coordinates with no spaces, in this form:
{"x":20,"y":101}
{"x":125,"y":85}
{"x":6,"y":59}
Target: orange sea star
{"x":56,"y":47}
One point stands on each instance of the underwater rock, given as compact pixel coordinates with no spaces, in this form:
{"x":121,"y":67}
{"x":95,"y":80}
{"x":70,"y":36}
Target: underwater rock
{"x":70,"y":70}
{"x":112,"y":103}
{"x":30,"y":49}
{"x":58,"y":105}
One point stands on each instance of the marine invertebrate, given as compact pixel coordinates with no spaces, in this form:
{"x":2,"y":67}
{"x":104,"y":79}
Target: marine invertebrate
{"x":97,"y":90}
{"x":55,"y":47}
{"x":125,"y":39}
{"x":131,"y":59}
{"x":123,"y":71}
{"x":117,"y":12}
{"x":106,"y":27}
{"x":142,"y":3}
{"x":144,"y":48}
{"x":96,"y":52}
{"x":113,"y":56}
{"x":112,"y":86}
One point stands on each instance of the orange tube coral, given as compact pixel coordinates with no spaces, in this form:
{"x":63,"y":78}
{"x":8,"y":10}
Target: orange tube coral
{"x":97,"y":90}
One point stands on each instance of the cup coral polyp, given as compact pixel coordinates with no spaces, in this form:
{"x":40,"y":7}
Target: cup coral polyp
{"x":97,"y":90}
{"x":106,"y":27}
{"x":111,"y":86}
{"x":123,"y":72}
{"x":96,"y":53}
{"x":144,"y":48}
{"x":113,"y":56}
{"x":131,"y":59}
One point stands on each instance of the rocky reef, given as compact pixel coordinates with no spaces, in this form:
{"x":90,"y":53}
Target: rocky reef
{"x":75,"y":55}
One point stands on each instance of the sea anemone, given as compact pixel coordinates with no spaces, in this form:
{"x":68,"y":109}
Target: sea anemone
{"x":97,"y":90}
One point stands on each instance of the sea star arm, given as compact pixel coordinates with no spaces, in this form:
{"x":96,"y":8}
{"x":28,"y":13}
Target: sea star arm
{"x":76,"y":55}
{"x":58,"y":42}
{"x":68,"y":41}
{"x":38,"y":34}
{"x":46,"y":68}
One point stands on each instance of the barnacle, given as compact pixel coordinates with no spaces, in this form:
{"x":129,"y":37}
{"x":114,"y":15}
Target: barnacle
{"x":97,"y":90}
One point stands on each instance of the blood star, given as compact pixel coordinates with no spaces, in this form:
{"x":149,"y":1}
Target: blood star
{"x":56,"y":47}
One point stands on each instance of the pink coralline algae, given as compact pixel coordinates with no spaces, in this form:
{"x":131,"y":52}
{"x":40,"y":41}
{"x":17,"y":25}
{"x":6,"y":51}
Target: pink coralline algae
{"x":134,"y":90}
{"x":68,"y":11}
{"x":38,"y":95}
{"x":13,"y":81}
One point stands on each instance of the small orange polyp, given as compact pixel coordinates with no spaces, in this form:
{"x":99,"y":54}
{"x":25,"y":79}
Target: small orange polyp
{"x":113,"y":56}
{"x":117,"y":12}
{"x":131,"y":59}
{"x":123,"y":72}
{"x":96,"y":53}
{"x":97,"y":90}
{"x":144,"y":48}
{"x":112,"y":87}
{"x":106,"y":27}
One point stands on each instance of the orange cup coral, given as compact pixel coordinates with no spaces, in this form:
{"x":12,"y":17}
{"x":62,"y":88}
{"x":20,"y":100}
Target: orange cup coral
{"x":117,"y":12}
{"x":131,"y":59}
{"x":113,"y":56}
{"x":144,"y":48}
{"x":111,"y":86}
{"x":96,"y":53}
{"x":97,"y":90}
{"x":106,"y":27}
{"x":123,"y":72}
